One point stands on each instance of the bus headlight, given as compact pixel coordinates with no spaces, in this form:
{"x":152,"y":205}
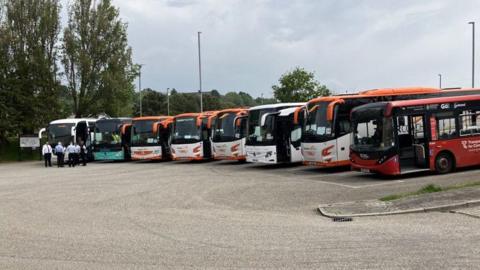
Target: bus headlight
{"x":382,"y":159}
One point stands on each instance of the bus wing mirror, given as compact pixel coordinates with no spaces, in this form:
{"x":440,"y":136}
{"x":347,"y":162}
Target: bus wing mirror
{"x":155,"y":127}
{"x":40,"y":133}
{"x":72,"y":132}
{"x":238,"y":121}
{"x":124,"y":128}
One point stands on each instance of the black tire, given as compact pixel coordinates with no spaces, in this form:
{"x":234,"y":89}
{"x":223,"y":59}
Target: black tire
{"x":444,"y":163}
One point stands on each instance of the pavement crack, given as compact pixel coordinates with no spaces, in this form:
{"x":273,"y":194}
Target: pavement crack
{"x":464,"y":214}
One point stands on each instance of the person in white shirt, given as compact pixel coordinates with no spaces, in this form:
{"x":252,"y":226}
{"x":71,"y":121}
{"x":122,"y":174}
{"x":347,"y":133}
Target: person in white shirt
{"x":47,"y":154}
{"x":71,"y":155}
{"x":77,"y":154}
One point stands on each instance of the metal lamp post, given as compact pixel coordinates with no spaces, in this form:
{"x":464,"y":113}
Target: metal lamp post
{"x":168,"y":101}
{"x":200,"y":73}
{"x":440,"y":81}
{"x":140,"y":87}
{"x":473,"y":53}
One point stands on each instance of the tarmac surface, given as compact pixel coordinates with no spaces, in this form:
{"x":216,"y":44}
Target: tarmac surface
{"x":220,"y":215}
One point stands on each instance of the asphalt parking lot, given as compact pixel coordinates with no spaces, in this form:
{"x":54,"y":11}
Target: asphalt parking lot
{"x":218,"y":215}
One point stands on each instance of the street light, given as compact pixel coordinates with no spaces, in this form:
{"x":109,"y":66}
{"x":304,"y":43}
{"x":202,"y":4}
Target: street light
{"x":140,"y":87}
{"x":168,"y":101}
{"x":200,"y":73}
{"x":440,"y":81}
{"x":473,"y":53}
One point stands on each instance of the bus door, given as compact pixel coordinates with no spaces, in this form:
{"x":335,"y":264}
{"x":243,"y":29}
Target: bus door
{"x":126,"y":139}
{"x":296,"y":132}
{"x":206,"y":138}
{"x":81,"y":133}
{"x":412,"y":143}
{"x":420,"y":143}
{"x":282,"y":137}
{"x":165,"y":139}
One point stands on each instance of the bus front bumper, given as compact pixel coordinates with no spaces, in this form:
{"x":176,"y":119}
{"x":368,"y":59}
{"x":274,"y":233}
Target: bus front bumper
{"x":106,"y":155}
{"x":391,"y":166}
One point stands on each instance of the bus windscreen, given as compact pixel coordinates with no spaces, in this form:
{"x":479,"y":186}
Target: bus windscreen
{"x":373,"y":133}
{"x":186,"y":130}
{"x":60,"y":133}
{"x":258,"y":134}
{"x":142,"y":131}
{"x":317,"y":126}
{"x":107,"y":133}
{"x":225,"y":128}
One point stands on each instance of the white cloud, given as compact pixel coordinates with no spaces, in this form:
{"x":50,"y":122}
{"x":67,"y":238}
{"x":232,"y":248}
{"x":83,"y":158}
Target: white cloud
{"x":350,"y":45}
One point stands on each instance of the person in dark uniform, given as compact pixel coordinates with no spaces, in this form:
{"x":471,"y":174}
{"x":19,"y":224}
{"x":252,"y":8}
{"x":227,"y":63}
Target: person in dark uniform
{"x":83,"y":153}
{"x":47,"y":154}
{"x":78,"y":149}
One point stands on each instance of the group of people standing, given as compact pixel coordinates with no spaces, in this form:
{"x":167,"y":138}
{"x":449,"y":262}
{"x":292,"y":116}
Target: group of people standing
{"x":74,"y":153}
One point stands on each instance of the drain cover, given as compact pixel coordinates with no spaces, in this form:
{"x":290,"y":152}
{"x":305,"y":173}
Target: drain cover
{"x":342,"y":219}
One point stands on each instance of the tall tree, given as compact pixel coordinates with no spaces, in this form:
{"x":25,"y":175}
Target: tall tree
{"x":153,"y":103}
{"x":4,"y":106}
{"x":97,"y":59}
{"x":29,"y":34}
{"x":297,"y":86}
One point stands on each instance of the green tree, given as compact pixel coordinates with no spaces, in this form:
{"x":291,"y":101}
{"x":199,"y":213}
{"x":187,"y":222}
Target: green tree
{"x":298,"y":85}
{"x":29,"y":89}
{"x":183,"y":102}
{"x":212,"y":101}
{"x":153,"y":103}
{"x":97,"y":60}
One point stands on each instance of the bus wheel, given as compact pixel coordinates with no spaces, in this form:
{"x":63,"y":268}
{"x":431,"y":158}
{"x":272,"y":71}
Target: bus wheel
{"x":444,"y":163}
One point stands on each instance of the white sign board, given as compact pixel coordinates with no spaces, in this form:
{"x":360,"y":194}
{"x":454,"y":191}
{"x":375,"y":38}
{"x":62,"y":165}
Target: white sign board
{"x":29,"y":142}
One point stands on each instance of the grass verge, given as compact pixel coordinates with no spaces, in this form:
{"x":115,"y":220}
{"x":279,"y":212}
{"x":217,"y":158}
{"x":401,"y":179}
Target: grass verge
{"x":431,"y":188}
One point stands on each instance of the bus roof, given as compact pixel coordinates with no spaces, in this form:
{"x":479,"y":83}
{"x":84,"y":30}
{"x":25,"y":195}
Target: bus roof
{"x":202,"y":114}
{"x":158,"y":118}
{"x":400,"y":91}
{"x":72,"y":120}
{"x":277,"y":105}
{"x":417,"y":102}
{"x":121,"y":119}
{"x":379,"y":92}
{"x":233,"y":110}
{"x":237,"y":111}
{"x":289,"y":111}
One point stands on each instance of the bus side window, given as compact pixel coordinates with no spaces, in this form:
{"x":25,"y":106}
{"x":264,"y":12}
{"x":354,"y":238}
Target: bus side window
{"x":469,"y":123}
{"x":446,"y":128}
{"x":343,"y":127}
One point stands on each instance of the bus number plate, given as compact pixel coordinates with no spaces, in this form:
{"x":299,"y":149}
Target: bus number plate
{"x":365,"y":170}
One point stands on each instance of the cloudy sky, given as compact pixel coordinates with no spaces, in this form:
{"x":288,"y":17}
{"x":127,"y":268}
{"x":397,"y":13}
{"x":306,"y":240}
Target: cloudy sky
{"x":350,"y":45}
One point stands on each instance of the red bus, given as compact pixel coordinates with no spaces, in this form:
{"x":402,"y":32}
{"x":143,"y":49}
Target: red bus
{"x":398,"y":137}
{"x":327,"y":130}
